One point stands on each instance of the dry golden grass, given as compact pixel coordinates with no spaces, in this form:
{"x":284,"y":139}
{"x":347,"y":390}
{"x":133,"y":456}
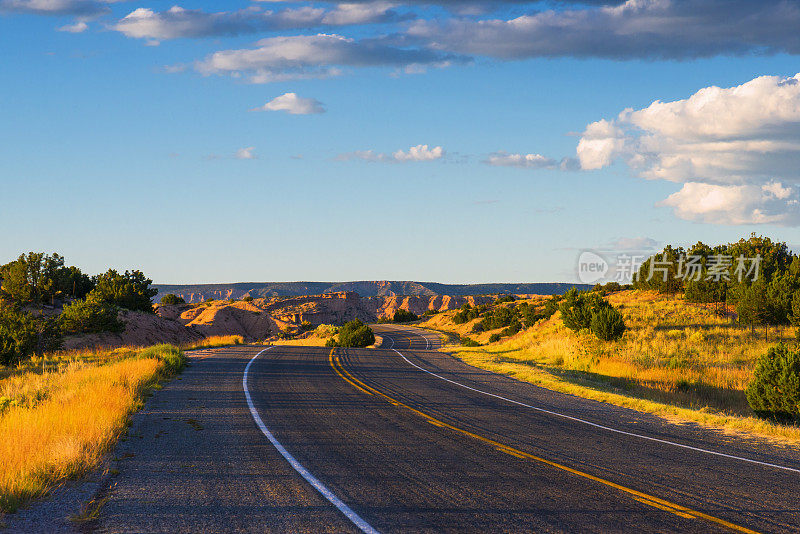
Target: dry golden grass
{"x":214,"y":341}
{"x":676,"y":359}
{"x":56,"y":424}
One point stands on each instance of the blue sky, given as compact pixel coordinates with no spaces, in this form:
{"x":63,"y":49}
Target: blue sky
{"x":120,"y":151}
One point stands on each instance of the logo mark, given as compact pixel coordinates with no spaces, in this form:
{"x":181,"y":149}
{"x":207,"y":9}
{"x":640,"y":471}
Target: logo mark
{"x":591,"y":267}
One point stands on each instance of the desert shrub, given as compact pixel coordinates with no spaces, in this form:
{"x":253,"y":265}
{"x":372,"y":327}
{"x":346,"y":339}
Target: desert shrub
{"x":551,"y":306}
{"x":404,"y":316}
{"x":469,"y":342}
{"x":577,"y":308}
{"x":429,"y":312}
{"x":608,"y":324}
{"x":494,"y":338}
{"x":87,"y":317}
{"x":18,"y":335}
{"x":512,"y":329}
{"x":130,"y":290}
{"x":500,"y":318}
{"x":504,"y":298}
{"x":171,"y":299}
{"x":355,"y":334}
{"x":774,"y":391}
{"x":466,"y":314}
{"x":247,"y":298}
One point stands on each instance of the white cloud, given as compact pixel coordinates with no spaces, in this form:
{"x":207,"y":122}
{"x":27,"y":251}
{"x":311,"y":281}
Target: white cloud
{"x":86,"y":8}
{"x":419,"y":153}
{"x":245,"y":153}
{"x":531,"y":161}
{"x":313,"y":56}
{"x":177,"y":22}
{"x":415,"y":153}
{"x":654,"y":29}
{"x":736,"y":150}
{"x":736,"y":204}
{"x":78,"y":27}
{"x":293,"y":104}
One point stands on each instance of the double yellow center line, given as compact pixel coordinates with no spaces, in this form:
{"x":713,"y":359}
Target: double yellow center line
{"x":638,"y":496}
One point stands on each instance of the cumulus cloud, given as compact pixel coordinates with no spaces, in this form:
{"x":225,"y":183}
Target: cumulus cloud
{"x":313,"y":56}
{"x":471,"y":6}
{"x":771,"y":203}
{"x":85,"y":8}
{"x":419,"y":153}
{"x":653,"y":29}
{"x":178,"y":22}
{"x":293,"y":104}
{"x":415,"y":153}
{"x":78,"y":27}
{"x":245,"y":153}
{"x":735,"y":150}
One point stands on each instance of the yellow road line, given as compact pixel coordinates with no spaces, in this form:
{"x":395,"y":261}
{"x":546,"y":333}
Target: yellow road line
{"x":351,"y":382}
{"x":639,"y":496}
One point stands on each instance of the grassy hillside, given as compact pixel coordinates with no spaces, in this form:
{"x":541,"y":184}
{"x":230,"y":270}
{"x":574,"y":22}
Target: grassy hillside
{"x":675,"y":358}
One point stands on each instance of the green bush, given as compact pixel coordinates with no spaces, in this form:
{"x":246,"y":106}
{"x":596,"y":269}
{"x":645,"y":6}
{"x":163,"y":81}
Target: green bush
{"x":469,"y":342}
{"x":512,"y":329}
{"x":404,"y":316}
{"x":87,"y":317}
{"x":774,"y":391}
{"x":130,"y":290}
{"x":494,"y":338}
{"x":247,"y":298}
{"x":171,"y":300}
{"x":355,"y":334}
{"x":466,"y":314}
{"x":18,"y":335}
{"x":429,"y":313}
{"x":578,"y":307}
{"x":608,"y":324}
{"x":504,"y":298}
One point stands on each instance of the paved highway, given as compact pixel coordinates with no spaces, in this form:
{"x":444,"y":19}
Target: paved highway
{"x":407,"y":439}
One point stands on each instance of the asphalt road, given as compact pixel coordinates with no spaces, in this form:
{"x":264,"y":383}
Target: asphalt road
{"x":405,"y":438}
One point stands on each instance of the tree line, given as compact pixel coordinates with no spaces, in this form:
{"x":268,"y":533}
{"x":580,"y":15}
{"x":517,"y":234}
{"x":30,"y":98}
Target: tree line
{"x":758,"y":276}
{"x":89,"y":304}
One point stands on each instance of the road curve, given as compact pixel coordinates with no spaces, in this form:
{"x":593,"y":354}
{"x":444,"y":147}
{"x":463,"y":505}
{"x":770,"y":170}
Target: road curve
{"x":410,"y":439}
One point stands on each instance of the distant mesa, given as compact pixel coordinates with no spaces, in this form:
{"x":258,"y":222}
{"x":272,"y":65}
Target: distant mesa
{"x":374,"y":288}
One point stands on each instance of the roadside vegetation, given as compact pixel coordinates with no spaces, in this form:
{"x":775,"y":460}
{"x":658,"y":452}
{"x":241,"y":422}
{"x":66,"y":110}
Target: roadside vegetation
{"x":353,"y":334}
{"x":403,"y":316}
{"x":214,"y":341}
{"x":726,"y":356}
{"x":61,"y":412}
{"x":42,"y":300}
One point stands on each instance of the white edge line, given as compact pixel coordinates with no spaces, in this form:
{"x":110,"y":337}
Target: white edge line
{"x":609,"y":429}
{"x":297,"y":466}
